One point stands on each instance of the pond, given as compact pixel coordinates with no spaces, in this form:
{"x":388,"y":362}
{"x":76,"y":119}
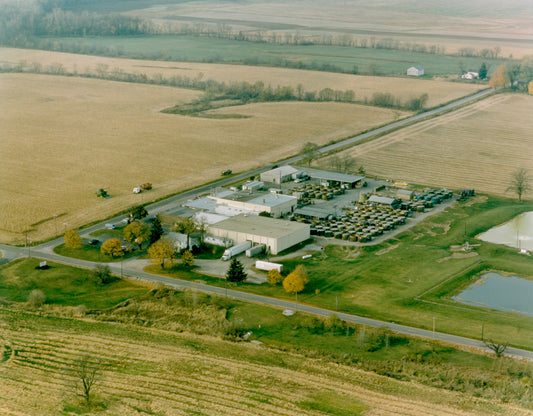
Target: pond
{"x":511,"y":294}
{"x":515,"y":233}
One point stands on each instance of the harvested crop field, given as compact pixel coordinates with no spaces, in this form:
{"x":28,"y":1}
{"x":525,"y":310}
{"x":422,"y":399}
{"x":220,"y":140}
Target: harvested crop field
{"x":479,"y":147}
{"x":63,"y":138}
{"x":439,"y":92}
{"x":147,"y":372}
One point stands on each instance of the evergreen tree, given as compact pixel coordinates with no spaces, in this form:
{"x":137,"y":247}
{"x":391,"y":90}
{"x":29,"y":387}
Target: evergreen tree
{"x":236,"y":271}
{"x":156,"y":230}
{"x":483,"y":71}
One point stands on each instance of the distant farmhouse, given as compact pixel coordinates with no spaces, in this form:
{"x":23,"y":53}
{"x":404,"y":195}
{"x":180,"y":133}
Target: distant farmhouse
{"x":415,"y":71}
{"x":470,"y":75}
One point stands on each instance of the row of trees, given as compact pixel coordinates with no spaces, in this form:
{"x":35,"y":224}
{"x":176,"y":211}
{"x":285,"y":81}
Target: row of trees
{"x":20,"y":22}
{"x":516,"y":76}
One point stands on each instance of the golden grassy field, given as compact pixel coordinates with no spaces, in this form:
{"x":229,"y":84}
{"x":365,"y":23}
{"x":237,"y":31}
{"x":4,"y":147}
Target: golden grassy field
{"x":154,"y":372}
{"x":364,"y":86}
{"x":62,"y":138}
{"x":479,"y":147}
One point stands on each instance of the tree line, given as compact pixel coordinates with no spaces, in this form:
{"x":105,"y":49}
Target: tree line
{"x":241,"y":92}
{"x":21,"y":24}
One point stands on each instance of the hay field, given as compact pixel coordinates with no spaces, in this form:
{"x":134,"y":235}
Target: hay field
{"x":476,"y":147}
{"x":364,"y":86}
{"x":62,"y":138}
{"x":151,"y":372}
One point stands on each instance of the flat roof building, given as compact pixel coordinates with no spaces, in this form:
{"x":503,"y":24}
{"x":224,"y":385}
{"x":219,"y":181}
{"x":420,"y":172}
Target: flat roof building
{"x":277,"y":235}
{"x":276,"y":205}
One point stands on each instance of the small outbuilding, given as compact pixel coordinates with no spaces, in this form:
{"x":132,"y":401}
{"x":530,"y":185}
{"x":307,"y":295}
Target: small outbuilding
{"x":333,"y":179}
{"x":415,"y":71}
{"x":382,"y":200}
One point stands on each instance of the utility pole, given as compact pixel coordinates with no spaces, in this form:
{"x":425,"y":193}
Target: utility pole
{"x":433,"y":328}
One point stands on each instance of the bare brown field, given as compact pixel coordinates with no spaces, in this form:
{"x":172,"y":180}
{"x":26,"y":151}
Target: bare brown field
{"x":439,"y":92}
{"x":62,"y":138}
{"x":476,"y":147}
{"x":151,"y":372}
{"x":479,"y":24}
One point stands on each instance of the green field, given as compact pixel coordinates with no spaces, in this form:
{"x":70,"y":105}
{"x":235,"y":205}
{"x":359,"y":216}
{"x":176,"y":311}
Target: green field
{"x":182,"y":48}
{"x":161,"y":315}
{"x":62,"y":285}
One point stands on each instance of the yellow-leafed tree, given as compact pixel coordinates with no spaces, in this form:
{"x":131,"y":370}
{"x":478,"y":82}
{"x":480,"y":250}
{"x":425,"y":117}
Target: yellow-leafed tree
{"x":274,"y":277}
{"x":137,"y":232}
{"x":530,"y":87}
{"x":500,"y":77}
{"x":295,"y":282}
{"x":112,"y":247}
{"x":161,"y":251}
{"x":187,"y":258}
{"x":72,"y":239}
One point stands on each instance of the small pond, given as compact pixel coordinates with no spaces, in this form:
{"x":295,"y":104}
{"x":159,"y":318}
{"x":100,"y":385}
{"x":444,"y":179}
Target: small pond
{"x":511,"y":294}
{"x":516,"y":233}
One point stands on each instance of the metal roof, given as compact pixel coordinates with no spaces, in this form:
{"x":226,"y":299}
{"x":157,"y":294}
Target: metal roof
{"x":381,"y":200}
{"x":333,"y":176}
{"x":314,"y":212}
{"x":261,"y":226}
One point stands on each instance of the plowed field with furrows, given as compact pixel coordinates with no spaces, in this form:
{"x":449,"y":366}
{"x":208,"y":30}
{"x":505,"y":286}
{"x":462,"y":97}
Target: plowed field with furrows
{"x":178,"y":374}
{"x":479,"y":147}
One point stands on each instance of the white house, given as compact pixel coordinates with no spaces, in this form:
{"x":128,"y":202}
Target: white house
{"x":415,"y":71}
{"x":470,"y":75}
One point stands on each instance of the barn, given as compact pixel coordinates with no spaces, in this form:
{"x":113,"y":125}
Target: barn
{"x":415,"y":71}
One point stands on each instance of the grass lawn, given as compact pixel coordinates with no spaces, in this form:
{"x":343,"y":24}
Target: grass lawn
{"x":183,"y":48}
{"x":93,"y":253}
{"x":410,"y":279}
{"x":62,"y":285}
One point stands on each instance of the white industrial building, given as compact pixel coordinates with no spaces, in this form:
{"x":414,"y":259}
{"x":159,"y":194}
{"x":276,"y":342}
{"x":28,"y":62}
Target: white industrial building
{"x":282,"y":174}
{"x":255,"y":202}
{"x":277,"y":235}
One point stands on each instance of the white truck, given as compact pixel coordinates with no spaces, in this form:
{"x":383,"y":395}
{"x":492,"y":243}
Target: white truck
{"x":255,"y":250}
{"x":236,"y":249}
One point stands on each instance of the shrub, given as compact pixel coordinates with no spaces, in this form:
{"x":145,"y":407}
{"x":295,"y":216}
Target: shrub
{"x":102,"y":274}
{"x":36,"y":298}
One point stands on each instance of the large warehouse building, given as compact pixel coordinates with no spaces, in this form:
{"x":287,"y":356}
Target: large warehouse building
{"x":277,"y":235}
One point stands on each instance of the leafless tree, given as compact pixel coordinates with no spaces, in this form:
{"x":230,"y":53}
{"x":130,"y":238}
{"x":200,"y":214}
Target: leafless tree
{"x":520,"y":183}
{"x":497,"y":347}
{"x":87,"y":373}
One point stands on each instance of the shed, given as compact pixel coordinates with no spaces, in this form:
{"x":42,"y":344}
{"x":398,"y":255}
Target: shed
{"x":253,"y":186}
{"x":382,"y":200}
{"x":415,"y":71}
{"x":404,"y":194}
{"x":334,"y":178}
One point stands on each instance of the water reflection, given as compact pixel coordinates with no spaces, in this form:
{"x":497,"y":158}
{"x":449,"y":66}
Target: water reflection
{"x":516,"y":233}
{"x":495,"y":291}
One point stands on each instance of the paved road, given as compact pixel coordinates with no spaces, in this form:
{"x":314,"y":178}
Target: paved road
{"x":117,"y":268}
{"x":45,"y":250}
